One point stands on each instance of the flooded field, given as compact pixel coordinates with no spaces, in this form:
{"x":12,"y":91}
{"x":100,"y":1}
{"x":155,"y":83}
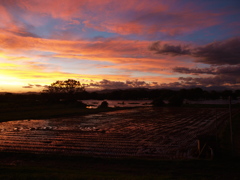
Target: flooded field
{"x":118,"y":103}
{"x":167,"y":133}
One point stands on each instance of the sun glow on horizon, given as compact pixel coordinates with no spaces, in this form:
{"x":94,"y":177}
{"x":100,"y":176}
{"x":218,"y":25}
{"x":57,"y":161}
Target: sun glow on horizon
{"x":111,"y":44}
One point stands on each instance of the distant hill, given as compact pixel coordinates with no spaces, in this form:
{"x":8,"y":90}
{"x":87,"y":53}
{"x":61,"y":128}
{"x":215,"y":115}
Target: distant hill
{"x":105,"y":91}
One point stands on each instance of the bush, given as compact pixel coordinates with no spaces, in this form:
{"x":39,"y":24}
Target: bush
{"x":104,"y":104}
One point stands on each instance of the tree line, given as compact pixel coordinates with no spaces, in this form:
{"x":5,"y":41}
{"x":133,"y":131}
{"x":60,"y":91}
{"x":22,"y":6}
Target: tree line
{"x":72,"y":90}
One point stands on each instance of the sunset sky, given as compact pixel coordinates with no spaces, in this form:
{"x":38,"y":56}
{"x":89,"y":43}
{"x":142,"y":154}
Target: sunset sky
{"x":119,"y":43}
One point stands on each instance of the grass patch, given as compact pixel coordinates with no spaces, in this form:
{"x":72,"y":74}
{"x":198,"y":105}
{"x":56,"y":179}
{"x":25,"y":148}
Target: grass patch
{"x":33,"y":166}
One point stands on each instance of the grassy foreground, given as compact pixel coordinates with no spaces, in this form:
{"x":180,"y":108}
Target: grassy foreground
{"x":32,"y":166}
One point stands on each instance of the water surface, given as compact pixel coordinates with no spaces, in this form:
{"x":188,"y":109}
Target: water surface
{"x":169,"y":133}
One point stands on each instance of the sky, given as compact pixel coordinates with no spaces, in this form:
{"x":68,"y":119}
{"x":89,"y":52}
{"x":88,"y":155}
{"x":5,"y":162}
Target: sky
{"x":111,"y":44}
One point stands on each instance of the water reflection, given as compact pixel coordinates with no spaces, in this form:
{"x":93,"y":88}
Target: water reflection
{"x":24,"y":125}
{"x":146,"y":132}
{"x":118,"y":103}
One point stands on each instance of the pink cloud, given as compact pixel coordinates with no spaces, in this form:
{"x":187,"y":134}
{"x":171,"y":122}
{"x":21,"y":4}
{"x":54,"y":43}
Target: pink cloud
{"x":5,"y":16}
{"x":122,"y":17}
{"x":126,"y":55}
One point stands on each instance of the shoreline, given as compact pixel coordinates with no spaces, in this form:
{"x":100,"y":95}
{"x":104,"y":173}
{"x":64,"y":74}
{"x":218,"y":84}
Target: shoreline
{"x":23,"y":111}
{"x":55,"y":113}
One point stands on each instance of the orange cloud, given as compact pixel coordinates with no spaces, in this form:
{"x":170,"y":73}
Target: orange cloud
{"x":122,"y":17}
{"x":127,"y":55}
{"x":113,"y":50}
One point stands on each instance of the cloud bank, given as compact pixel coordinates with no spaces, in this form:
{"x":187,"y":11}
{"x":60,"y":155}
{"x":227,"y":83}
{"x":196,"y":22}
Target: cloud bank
{"x":215,"y":53}
{"x":223,"y":56}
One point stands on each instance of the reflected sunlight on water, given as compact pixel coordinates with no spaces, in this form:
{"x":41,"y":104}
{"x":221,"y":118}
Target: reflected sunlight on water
{"x":168,"y":133}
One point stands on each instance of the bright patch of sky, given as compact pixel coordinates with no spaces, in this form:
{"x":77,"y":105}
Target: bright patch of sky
{"x":44,"y":40}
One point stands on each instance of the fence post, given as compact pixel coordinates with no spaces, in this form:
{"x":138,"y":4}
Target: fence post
{"x":230,"y":123}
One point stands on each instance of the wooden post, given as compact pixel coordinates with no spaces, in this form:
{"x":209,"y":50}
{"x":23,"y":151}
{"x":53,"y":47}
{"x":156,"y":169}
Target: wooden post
{"x":230,"y":122}
{"x":216,"y":124}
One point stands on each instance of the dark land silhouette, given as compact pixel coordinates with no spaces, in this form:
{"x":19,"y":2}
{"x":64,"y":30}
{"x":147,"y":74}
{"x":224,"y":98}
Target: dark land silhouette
{"x":127,"y":94}
{"x":63,"y":98}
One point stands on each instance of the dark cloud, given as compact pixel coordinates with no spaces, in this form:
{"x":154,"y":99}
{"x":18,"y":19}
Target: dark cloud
{"x":233,"y":70}
{"x":172,"y":85}
{"x":221,"y":80}
{"x":185,"y":70}
{"x":137,"y":83}
{"x":219,"y":52}
{"x":107,"y":84}
{"x":225,"y":52}
{"x":228,"y":76}
{"x":33,"y":85}
{"x":167,"y":49}
{"x":29,"y":86}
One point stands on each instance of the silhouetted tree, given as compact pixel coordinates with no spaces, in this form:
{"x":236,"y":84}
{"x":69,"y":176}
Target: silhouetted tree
{"x":226,"y":93}
{"x":237,"y":93}
{"x":214,"y":95}
{"x":69,"y":86}
{"x":66,"y":90}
